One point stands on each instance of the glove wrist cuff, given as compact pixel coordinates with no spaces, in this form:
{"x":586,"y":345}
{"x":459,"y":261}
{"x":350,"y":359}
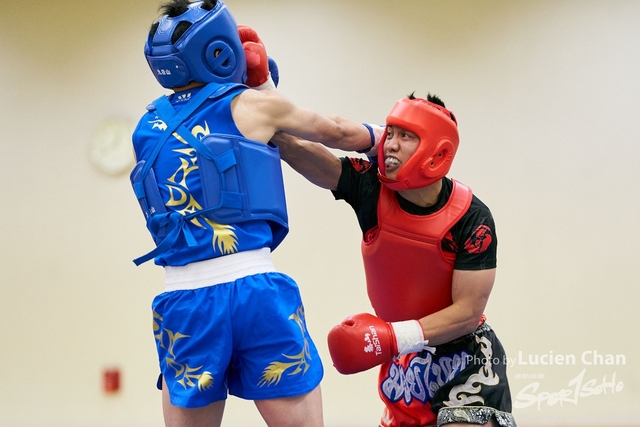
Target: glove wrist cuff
{"x":268,"y":85}
{"x":409,"y":337}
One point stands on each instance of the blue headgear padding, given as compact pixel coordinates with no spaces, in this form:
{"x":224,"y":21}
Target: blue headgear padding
{"x":209,"y":50}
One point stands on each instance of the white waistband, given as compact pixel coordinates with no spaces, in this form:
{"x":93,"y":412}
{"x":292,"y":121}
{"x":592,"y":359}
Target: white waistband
{"x":219,"y":270}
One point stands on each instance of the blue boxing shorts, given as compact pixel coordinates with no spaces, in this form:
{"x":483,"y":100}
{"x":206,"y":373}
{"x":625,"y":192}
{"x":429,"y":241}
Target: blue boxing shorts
{"x":233,"y":325}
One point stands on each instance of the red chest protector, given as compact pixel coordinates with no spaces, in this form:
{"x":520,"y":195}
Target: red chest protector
{"x":408,"y":275}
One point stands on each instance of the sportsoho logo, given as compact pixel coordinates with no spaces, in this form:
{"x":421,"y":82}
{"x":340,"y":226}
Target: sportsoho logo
{"x":582,"y":386}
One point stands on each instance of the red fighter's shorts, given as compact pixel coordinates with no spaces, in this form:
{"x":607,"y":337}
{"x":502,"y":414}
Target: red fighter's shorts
{"x":464,"y":381}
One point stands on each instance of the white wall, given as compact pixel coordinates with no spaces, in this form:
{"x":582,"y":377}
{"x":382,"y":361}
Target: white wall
{"x":546,"y":94}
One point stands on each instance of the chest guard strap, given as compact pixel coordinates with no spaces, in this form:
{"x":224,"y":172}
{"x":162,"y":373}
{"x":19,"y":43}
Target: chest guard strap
{"x":241,"y":181}
{"x":142,"y":177}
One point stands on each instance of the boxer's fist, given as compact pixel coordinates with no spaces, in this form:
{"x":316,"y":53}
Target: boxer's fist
{"x":361,"y":342}
{"x":256,"y":54}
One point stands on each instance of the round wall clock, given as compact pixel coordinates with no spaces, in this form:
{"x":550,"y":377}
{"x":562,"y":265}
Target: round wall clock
{"x":111,"y":150}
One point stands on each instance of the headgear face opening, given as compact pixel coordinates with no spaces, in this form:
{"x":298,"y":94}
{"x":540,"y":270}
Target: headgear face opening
{"x":438,"y":132}
{"x":209,"y":50}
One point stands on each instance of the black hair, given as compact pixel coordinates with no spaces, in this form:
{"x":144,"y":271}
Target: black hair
{"x":175,"y":8}
{"x":436,"y":100}
{"x":431,"y":98}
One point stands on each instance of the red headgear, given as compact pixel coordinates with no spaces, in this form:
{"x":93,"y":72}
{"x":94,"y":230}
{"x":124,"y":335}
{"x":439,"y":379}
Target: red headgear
{"x":438,"y":132}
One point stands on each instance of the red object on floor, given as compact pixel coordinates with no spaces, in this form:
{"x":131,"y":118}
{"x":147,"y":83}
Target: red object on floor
{"x":111,"y":380}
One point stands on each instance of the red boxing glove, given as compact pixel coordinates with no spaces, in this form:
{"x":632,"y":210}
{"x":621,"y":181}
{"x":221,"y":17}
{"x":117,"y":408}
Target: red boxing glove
{"x":256,"y":54}
{"x":361,"y":342}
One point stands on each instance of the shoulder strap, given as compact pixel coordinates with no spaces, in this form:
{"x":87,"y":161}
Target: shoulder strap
{"x":175,"y":222}
{"x":223,"y":161}
{"x":174,"y":119}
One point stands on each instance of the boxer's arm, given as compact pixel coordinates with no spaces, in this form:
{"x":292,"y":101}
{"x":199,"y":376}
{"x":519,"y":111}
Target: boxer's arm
{"x":260,"y":114}
{"x":470,"y":292}
{"x":331,"y":131}
{"x":363,"y":341}
{"x":311,"y":160}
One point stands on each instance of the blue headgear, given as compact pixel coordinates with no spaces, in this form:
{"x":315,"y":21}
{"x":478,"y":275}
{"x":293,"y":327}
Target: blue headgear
{"x":209,"y":50}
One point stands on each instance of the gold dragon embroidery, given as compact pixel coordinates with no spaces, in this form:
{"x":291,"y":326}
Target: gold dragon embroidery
{"x":224,"y":238}
{"x":185,"y":375}
{"x":272,"y":374}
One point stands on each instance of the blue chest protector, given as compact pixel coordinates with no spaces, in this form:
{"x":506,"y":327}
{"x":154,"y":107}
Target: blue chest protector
{"x":241,"y":179}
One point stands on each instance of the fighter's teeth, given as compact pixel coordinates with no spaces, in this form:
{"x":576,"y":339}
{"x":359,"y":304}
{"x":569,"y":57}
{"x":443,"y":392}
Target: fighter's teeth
{"x":391,"y":161}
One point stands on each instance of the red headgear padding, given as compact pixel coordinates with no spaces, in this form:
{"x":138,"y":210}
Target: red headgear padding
{"x":438,"y":132}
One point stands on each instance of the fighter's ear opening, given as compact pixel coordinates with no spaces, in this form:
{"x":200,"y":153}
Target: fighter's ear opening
{"x":433,"y":162}
{"x":440,"y":162}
